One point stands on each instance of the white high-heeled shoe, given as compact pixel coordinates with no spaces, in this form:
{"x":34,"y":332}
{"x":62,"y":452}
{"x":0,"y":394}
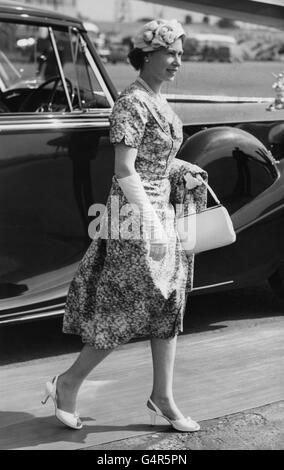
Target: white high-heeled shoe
{"x":72,"y":420}
{"x":182,"y":424}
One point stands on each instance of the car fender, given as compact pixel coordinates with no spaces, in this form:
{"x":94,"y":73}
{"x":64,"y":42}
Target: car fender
{"x":215,"y":147}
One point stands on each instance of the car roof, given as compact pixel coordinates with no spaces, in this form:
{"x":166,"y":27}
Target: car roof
{"x":15,"y":10}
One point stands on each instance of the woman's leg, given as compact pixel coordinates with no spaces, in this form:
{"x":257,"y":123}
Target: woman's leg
{"x":69,"y":382}
{"x":163,"y":355}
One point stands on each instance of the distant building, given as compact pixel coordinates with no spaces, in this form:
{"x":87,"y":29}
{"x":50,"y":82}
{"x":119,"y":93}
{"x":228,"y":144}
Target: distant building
{"x":67,"y":7}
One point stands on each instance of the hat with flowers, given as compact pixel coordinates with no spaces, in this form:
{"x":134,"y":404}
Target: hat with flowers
{"x":158,"y":33}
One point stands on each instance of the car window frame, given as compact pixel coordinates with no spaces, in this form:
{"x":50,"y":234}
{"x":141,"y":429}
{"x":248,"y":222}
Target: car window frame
{"x":60,"y":67}
{"x":91,"y":61}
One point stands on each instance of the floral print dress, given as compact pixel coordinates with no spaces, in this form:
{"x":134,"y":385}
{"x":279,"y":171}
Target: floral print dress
{"x":119,"y":292}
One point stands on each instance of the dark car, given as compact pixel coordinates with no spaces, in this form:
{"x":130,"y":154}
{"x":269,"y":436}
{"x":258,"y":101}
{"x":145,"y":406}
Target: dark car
{"x":56,"y":162}
{"x":118,"y":52}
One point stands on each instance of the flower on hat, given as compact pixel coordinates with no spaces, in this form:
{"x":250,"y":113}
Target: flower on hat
{"x":162,"y":30}
{"x":155,"y":34}
{"x":152,"y":25}
{"x":170,"y":37}
{"x":148,"y":36}
{"x":164,"y":36}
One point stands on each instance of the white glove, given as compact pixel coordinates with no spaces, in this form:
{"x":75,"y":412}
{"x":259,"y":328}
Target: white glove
{"x":192,"y":181}
{"x":135,"y":193}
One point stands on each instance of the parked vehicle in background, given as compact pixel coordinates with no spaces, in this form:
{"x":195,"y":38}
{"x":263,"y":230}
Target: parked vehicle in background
{"x":56,"y":162}
{"x":118,"y":52}
{"x":211,"y":48}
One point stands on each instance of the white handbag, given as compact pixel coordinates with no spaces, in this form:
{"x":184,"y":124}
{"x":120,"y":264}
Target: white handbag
{"x":206,"y":230}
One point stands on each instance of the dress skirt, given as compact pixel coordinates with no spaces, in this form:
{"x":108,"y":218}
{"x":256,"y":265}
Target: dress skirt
{"x":119,"y":292}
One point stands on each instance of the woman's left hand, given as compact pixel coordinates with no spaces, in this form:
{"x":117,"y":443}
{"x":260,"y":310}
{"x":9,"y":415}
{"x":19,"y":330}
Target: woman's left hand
{"x":192,"y":181}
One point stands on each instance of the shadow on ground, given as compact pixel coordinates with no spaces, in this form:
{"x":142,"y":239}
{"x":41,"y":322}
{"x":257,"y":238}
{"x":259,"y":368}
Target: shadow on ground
{"x":207,"y":312}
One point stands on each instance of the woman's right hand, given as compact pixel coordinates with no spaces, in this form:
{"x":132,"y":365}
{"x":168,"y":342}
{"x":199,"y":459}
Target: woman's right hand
{"x":157,"y":250}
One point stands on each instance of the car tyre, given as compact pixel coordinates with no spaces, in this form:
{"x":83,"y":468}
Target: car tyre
{"x":276,"y":282}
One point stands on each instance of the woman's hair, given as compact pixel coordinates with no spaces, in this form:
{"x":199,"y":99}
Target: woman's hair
{"x":136,"y":58}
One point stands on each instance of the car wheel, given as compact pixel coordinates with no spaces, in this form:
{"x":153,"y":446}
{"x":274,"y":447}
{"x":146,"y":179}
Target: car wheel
{"x":276,"y":282}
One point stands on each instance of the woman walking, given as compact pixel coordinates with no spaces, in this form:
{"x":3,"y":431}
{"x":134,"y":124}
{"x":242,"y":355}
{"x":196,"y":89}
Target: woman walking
{"x":127,"y":287}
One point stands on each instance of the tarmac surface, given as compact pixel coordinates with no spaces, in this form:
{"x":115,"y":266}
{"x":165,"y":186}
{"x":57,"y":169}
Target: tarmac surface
{"x":237,"y":396}
{"x":255,"y":429}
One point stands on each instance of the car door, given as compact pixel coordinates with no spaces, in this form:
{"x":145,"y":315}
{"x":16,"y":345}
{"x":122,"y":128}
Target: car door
{"x":56,"y":162}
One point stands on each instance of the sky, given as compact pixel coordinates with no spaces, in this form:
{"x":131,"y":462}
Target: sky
{"x":104,"y":10}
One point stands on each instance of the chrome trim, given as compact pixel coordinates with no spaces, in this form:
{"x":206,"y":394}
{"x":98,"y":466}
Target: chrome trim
{"x":32,"y":311}
{"x":212,"y":285}
{"x":215,"y":98}
{"x":50,"y":30}
{"x":88,"y":113}
{"x":93,"y":64}
{"x":74,"y":59}
{"x":55,"y":313}
{"x":54,"y":126}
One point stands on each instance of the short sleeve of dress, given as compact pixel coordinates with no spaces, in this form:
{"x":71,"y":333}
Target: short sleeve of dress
{"x":127,"y":121}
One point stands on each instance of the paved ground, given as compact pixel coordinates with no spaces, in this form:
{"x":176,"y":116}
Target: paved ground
{"x":256,"y":429}
{"x":41,"y":345}
{"x":211,"y":78}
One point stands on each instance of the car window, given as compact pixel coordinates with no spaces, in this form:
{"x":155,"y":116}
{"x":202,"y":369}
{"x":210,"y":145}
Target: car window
{"x":44,"y":69}
{"x":20,"y":51}
{"x":78,"y":71}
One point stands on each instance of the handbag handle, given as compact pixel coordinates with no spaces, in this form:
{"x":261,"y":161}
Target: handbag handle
{"x":209,"y":189}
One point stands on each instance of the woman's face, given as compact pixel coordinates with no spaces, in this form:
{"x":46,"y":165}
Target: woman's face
{"x":165,"y":62}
